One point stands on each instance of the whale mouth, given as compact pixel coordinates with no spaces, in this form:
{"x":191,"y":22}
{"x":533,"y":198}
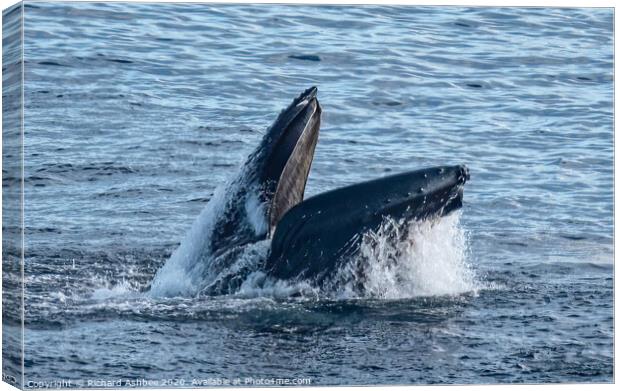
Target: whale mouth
{"x":294,"y":139}
{"x":423,"y":194}
{"x":451,"y":197}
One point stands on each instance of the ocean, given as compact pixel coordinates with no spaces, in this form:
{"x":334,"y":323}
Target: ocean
{"x":135,"y":113}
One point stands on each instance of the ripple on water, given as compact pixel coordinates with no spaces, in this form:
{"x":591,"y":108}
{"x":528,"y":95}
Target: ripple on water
{"x":136,"y":112}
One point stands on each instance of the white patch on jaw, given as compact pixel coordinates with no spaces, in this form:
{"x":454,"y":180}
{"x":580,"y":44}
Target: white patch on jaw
{"x":256,"y":213}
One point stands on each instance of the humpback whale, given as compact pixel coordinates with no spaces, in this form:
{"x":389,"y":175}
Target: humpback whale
{"x":309,"y":239}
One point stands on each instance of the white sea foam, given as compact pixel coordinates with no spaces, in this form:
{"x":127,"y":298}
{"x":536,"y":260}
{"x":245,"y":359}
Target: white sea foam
{"x":258,"y":284}
{"x":119,"y":290}
{"x":428,"y":259}
{"x":246,"y":261}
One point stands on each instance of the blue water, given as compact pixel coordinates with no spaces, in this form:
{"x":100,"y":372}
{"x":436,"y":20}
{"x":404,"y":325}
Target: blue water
{"x":135,"y":113}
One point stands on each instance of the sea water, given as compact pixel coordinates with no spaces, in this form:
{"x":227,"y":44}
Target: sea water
{"x":136,"y":113}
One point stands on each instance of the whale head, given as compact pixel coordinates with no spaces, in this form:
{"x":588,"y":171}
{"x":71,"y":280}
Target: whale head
{"x":417,"y":195}
{"x":315,"y":236}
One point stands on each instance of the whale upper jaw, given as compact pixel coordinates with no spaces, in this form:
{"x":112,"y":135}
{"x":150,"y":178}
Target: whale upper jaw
{"x":271,"y":180}
{"x":286,"y":154}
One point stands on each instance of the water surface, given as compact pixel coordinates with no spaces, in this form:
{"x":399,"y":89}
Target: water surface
{"x":135,"y":113}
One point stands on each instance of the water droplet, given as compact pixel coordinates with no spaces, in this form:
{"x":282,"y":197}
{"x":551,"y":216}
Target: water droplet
{"x":421,"y":190}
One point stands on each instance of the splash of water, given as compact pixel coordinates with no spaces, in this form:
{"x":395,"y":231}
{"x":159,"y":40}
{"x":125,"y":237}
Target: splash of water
{"x":178,"y":276}
{"x":258,"y":284}
{"x":188,"y":271}
{"x":409,"y":259}
{"x":123,"y":289}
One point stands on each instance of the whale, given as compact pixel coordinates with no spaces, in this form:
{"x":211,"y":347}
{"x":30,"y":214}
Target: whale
{"x":306,"y":239}
{"x":270,"y":182}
